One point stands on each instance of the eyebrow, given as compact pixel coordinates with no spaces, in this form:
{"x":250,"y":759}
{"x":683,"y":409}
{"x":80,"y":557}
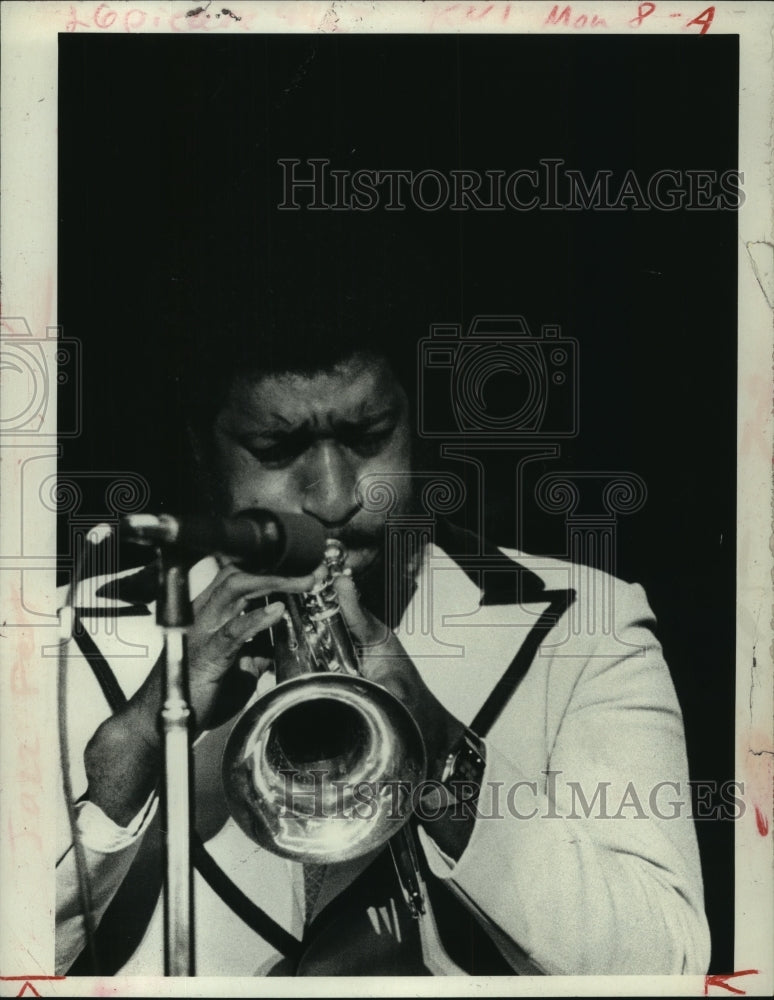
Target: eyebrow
{"x":284,"y":428}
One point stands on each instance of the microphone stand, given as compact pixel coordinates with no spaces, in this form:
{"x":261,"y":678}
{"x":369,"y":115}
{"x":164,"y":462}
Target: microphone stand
{"x":174,"y":615}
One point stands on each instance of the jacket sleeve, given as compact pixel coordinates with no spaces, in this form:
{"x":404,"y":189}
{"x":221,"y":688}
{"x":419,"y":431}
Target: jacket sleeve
{"x":589,"y":864}
{"x":106,"y":850}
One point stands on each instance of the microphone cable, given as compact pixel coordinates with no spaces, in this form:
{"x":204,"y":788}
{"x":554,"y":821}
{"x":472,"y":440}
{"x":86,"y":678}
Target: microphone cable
{"x":67,"y":619}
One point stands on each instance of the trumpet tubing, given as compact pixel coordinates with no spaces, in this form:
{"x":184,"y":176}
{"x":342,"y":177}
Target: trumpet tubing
{"x":321,"y":768}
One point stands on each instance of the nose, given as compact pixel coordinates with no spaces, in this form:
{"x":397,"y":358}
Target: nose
{"x":329,"y":488}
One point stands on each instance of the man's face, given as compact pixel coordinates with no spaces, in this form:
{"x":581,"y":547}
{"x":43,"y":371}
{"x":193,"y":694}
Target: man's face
{"x":298,"y":444}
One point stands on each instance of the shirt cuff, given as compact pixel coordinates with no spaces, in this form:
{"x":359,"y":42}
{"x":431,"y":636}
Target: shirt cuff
{"x":99,"y":832}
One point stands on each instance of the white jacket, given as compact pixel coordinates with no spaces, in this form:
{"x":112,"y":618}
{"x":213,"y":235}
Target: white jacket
{"x":594,"y":727}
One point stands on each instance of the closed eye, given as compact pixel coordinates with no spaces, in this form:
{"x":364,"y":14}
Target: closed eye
{"x":285,"y":449}
{"x":368,"y":444}
{"x":283,"y":452}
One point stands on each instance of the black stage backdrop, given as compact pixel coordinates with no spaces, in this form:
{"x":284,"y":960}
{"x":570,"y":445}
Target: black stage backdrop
{"x":170,"y":232}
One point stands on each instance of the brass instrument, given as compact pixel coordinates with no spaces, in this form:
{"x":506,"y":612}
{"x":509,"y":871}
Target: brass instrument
{"x":321,"y":768}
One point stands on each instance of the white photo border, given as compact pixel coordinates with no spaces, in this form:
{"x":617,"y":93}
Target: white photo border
{"x":28,"y":98}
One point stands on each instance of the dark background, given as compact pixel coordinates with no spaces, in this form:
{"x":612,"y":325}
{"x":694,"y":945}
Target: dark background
{"x":168,"y":224}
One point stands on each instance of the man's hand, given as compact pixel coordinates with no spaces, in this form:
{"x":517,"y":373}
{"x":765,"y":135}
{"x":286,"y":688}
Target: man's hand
{"x":123,"y":758}
{"x":384,"y":661}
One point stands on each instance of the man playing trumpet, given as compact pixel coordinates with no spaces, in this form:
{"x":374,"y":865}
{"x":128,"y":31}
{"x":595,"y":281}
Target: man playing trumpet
{"x":516,"y":878}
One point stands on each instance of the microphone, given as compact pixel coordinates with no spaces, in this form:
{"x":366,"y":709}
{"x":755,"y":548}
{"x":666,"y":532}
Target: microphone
{"x":286,"y":544}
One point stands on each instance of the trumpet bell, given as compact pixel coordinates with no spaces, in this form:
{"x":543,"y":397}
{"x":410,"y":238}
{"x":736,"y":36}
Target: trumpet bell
{"x":322,"y":768}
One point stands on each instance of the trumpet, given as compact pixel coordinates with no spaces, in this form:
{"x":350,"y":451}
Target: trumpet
{"x":320,"y":769}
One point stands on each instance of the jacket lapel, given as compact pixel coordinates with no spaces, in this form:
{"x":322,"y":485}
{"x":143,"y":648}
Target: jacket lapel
{"x":469,"y":616}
